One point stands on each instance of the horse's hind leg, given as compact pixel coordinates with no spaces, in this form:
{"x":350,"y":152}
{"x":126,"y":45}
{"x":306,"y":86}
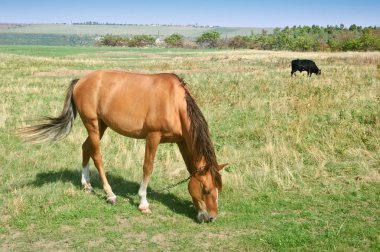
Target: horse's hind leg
{"x":91,"y":148}
{"x":86,"y":155}
{"x":152,"y":141}
{"x":85,"y":180}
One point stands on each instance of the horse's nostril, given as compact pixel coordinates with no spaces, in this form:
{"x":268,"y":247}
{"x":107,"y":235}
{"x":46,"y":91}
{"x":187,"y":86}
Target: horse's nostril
{"x":212,"y":219}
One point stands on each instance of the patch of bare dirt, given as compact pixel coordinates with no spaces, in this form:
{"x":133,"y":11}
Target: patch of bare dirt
{"x":97,"y":242}
{"x":142,"y":236}
{"x":123,"y":223}
{"x":66,"y":228}
{"x":162,"y":240}
{"x":372,"y":176}
{"x":158,"y":239}
{"x":47,"y":245}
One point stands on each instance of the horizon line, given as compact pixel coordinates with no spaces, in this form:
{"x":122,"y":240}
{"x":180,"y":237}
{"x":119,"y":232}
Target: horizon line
{"x":181,"y":25}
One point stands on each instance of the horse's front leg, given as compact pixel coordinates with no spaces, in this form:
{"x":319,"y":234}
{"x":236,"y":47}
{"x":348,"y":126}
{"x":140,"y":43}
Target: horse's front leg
{"x":152,"y":141}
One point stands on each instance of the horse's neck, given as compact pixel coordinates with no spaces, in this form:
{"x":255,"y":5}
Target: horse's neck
{"x":196,"y":164}
{"x":191,"y":163}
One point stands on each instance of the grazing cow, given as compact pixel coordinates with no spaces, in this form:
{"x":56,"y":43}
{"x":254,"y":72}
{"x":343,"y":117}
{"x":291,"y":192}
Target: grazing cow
{"x":305,"y":65}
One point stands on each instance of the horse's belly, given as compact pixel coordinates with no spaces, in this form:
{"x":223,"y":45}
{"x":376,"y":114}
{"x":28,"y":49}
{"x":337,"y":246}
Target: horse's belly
{"x":127,"y":127}
{"x":138,"y":128}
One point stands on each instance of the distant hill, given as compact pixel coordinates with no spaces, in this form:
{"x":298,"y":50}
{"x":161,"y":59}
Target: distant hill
{"x":82,"y":34}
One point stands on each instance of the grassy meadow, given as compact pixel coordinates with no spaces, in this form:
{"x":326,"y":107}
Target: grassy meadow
{"x":69,"y":34}
{"x":303,"y":154}
{"x":115,"y":29}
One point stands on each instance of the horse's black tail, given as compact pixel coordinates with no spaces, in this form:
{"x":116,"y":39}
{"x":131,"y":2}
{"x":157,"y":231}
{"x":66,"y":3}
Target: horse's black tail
{"x":53,"y":128}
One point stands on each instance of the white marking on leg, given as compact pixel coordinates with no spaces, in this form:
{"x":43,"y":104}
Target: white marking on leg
{"x":85,"y":180}
{"x":86,"y":175}
{"x":144,"y":205}
{"x":111,"y":197}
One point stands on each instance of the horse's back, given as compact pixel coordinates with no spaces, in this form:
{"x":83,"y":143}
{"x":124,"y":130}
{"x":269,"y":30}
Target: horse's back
{"x":131,"y":104}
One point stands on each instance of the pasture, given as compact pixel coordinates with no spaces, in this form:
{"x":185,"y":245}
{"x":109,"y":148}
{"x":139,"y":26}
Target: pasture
{"x":303,"y":154}
{"x":153,"y":30}
{"x":69,"y":34}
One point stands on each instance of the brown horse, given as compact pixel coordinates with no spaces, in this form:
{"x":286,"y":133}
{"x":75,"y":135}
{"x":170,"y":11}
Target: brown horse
{"x":157,"y":108}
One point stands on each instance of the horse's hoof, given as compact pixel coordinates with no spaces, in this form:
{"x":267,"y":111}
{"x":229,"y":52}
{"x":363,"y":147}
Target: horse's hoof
{"x":88,"y":188}
{"x":145,"y":211}
{"x":111,"y":199}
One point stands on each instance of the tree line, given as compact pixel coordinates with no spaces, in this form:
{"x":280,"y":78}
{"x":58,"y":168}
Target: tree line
{"x":296,"y":38}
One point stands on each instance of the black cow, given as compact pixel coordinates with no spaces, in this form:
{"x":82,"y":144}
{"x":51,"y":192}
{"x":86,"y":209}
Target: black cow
{"x":305,"y":65}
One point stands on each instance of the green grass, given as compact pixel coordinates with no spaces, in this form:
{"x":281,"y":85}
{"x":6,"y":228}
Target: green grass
{"x":50,"y":39}
{"x":303,"y":154}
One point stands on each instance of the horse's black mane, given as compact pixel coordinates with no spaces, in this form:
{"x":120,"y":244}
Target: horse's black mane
{"x":202,"y":145}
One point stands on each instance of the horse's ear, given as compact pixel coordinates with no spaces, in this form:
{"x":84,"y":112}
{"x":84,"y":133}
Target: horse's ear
{"x":221,"y":166}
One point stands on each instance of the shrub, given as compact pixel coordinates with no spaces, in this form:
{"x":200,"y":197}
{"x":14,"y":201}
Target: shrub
{"x":301,"y":38}
{"x":141,"y":41}
{"x":239,"y":42}
{"x":111,"y":40}
{"x":209,"y":39}
{"x":174,"y":40}
{"x":189,"y":44}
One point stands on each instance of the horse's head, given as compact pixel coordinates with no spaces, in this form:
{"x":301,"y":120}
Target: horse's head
{"x":204,"y":186}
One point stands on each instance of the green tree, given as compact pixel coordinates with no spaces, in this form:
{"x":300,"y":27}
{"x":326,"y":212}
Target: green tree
{"x":209,"y":39}
{"x":239,"y":42}
{"x":304,"y":43}
{"x":369,"y":40}
{"x":112,"y":40}
{"x":352,"y":44}
{"x":174,"y":40}
{"x":141,"y":41}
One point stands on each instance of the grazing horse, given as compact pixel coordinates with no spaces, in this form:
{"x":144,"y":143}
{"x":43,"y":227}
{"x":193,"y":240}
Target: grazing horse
{"x":156,"y":107}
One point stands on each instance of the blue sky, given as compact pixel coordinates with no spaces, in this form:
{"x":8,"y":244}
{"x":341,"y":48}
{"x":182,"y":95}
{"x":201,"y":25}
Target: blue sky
{"x":234,"y":13}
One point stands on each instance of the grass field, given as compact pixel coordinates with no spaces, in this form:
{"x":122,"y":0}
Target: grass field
{"x":154,"y":30}
{"x":79,"y":35}
{"x":162,"y":30}
{"x":304,"y":155}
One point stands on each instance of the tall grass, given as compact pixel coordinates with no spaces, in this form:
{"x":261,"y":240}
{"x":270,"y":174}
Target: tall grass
{"x":303,"y":154}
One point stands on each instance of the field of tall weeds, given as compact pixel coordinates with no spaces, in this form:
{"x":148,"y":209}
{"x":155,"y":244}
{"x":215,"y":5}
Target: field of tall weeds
{"x":303,"y":154}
